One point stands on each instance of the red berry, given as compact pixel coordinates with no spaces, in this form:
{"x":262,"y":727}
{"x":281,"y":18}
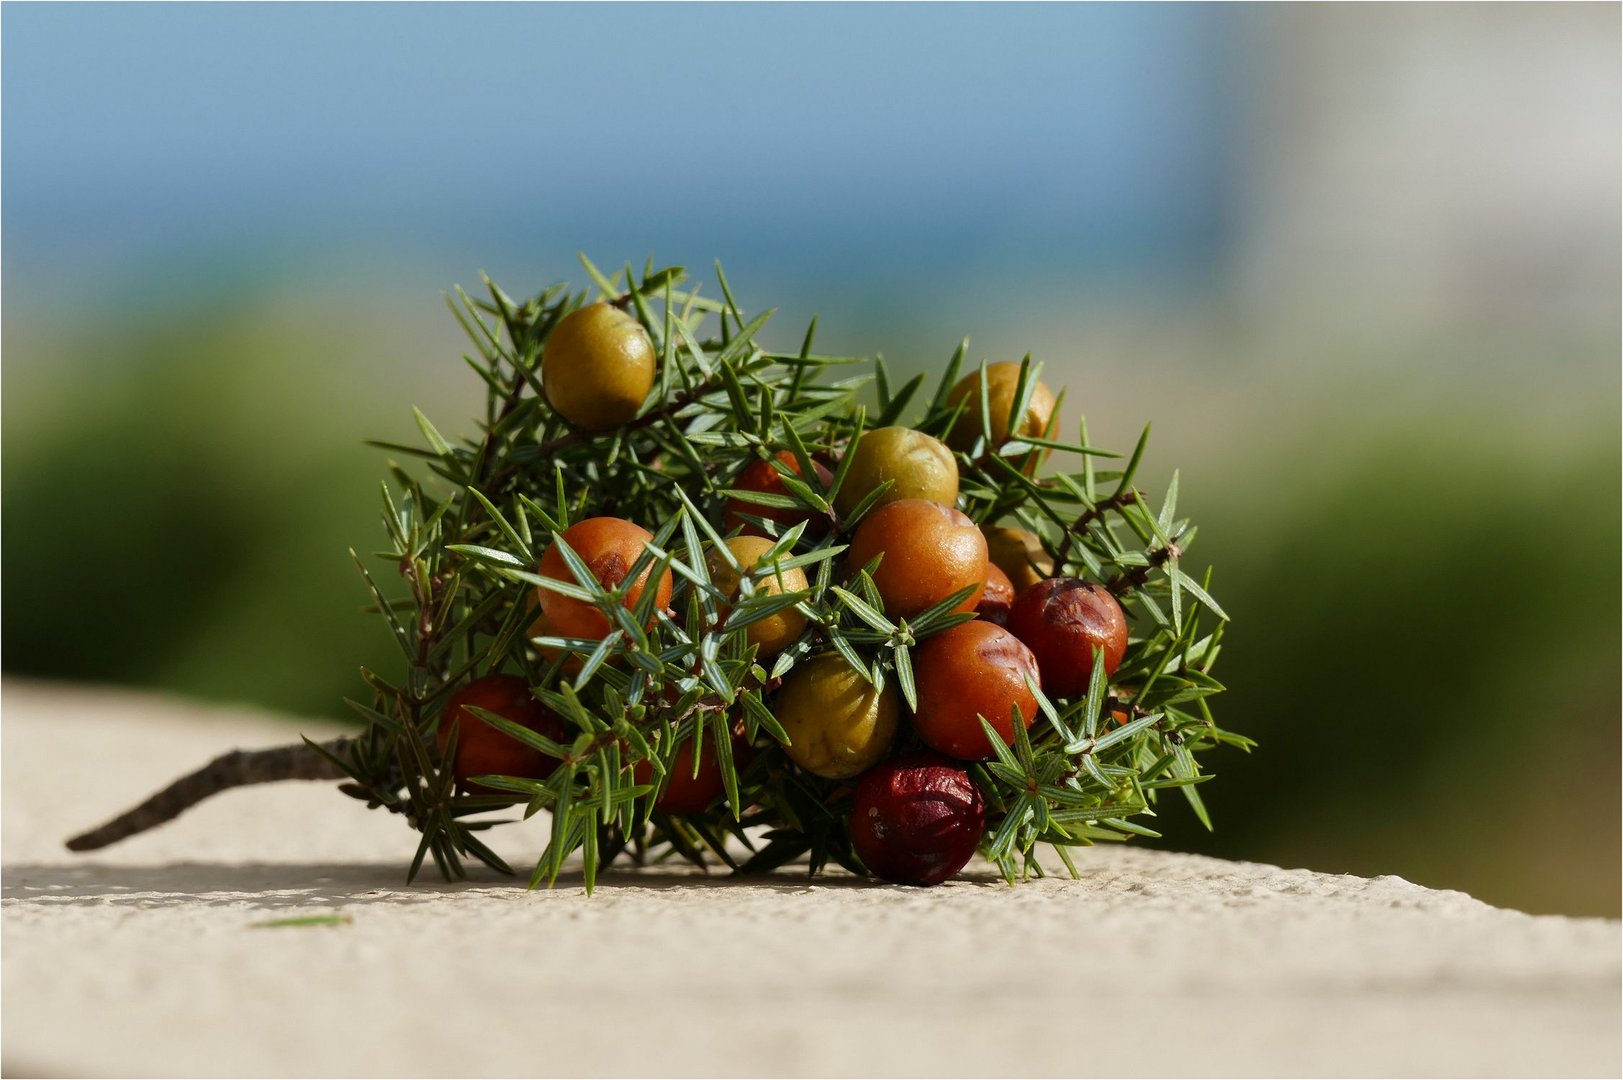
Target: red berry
{"x":997,"y":598}
{"x":763,"y":477}
{"x":685,"y":793}
{"x":1062,"y":621}
{"x":974,"y":669}
{"x":917,"y":819}
{"x":481,"y":750}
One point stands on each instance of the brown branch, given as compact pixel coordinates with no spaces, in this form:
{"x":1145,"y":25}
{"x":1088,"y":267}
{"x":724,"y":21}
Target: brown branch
{"x":239,"y":768}
{"x":653,"y":416}
{"x":1114,"y":502}
{"x":1132,"y":579}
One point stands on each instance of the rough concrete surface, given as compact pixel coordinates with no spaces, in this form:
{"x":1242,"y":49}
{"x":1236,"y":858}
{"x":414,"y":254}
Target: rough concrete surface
{"x":145,"y":960}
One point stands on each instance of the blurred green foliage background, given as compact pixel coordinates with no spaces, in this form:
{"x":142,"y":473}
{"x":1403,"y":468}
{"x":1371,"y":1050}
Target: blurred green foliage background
{"x":1359,"y":268}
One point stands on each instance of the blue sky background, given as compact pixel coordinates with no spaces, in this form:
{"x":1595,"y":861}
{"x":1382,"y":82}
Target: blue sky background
{"x":860,"y":139}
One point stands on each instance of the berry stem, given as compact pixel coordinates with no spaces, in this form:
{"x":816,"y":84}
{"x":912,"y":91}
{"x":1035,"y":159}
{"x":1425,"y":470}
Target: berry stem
{"x":1098,"y":509}
{"x":1131,"y":579}
{"x":297,"y":761}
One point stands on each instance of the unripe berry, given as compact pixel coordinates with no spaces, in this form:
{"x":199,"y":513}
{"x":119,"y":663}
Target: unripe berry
{"x":917,"y":819}
{"x":774,"y":633}
{"x":930,"y":552}
{"x":1062,"y":621}
{"x":838,"y":724}
{"x":598,"y":367}
{"x":974,"y":669}
{"x":481,"y":750}
{"x":609,"y":546}
{"x":1002,"y":380}
{"x":922,"y":468}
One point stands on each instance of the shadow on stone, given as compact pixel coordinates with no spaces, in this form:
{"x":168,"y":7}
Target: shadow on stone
{"x":299,"y":885}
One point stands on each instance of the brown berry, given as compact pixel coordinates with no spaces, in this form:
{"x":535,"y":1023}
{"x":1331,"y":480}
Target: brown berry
{"x":762,"y":476}
{"x":920,"y":466}
{"x":1063,"y":621}
{"x":973,"y":670}
{"x":917,"y":819}
{"x":930,"y":552}
{"x":997,"y":597}
{"x":1019,"y":554}
{"x":597,"y":367}
{"x":776,"y":632}
{"x":838,"y":723}
{"x":609,"y":546}
{"x":482,"y":750}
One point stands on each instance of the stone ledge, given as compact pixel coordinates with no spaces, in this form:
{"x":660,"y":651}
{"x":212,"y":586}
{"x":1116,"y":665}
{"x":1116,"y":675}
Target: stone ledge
{"x":145,"y":960}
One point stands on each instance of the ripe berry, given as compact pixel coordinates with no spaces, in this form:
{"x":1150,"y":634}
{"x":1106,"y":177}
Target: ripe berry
{"x":541,"y":629}
{"x":763,"y":477}
{"x":974,"y":669}
{"x":685,"y":793}
{"x":1002,"y":380}
{"x":997,"y":597}
{"x":922,"y":468}
{"x":917,"y":819}
{"x":838,"y":724}
{"x":1062,"y":621}
{"x":774,"y":633}
{"x":598,"y":367}
{"x":930,"y":552}
{"x":1019,"y":554}
{"x":609,"y":546}
{"x":481,"y":750}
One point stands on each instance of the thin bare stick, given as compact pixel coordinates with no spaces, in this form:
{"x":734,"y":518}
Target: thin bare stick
{"x":239,"y":768}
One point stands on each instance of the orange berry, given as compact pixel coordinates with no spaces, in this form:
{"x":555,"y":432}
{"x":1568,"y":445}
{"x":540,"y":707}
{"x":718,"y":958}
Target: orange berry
{"x":974,"y":669}
{"x":540,"y":627}
{"x":1002,"y":380}
{"x":930,"y":552}
{"x":609,"y":546}
{"x":761,"y":476}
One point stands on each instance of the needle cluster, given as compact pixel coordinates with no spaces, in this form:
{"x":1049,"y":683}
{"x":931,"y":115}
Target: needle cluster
{"x":456,"y":582}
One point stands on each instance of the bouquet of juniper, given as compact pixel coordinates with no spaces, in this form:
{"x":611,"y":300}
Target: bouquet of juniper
{"x":692,"y":597}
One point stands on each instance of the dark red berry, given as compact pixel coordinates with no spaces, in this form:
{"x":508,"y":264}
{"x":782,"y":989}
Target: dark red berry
{"x":1062,"y":621}
{"x":917,"y":819}
{"x":481,"y":750}
{"x":686,"y":794}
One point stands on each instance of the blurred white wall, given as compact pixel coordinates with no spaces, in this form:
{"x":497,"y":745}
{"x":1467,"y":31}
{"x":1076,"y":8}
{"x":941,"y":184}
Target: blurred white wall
{"x":1444,"y":165}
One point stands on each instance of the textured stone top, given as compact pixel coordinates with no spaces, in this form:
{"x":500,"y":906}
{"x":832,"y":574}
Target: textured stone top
{"x":147,"y":959}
